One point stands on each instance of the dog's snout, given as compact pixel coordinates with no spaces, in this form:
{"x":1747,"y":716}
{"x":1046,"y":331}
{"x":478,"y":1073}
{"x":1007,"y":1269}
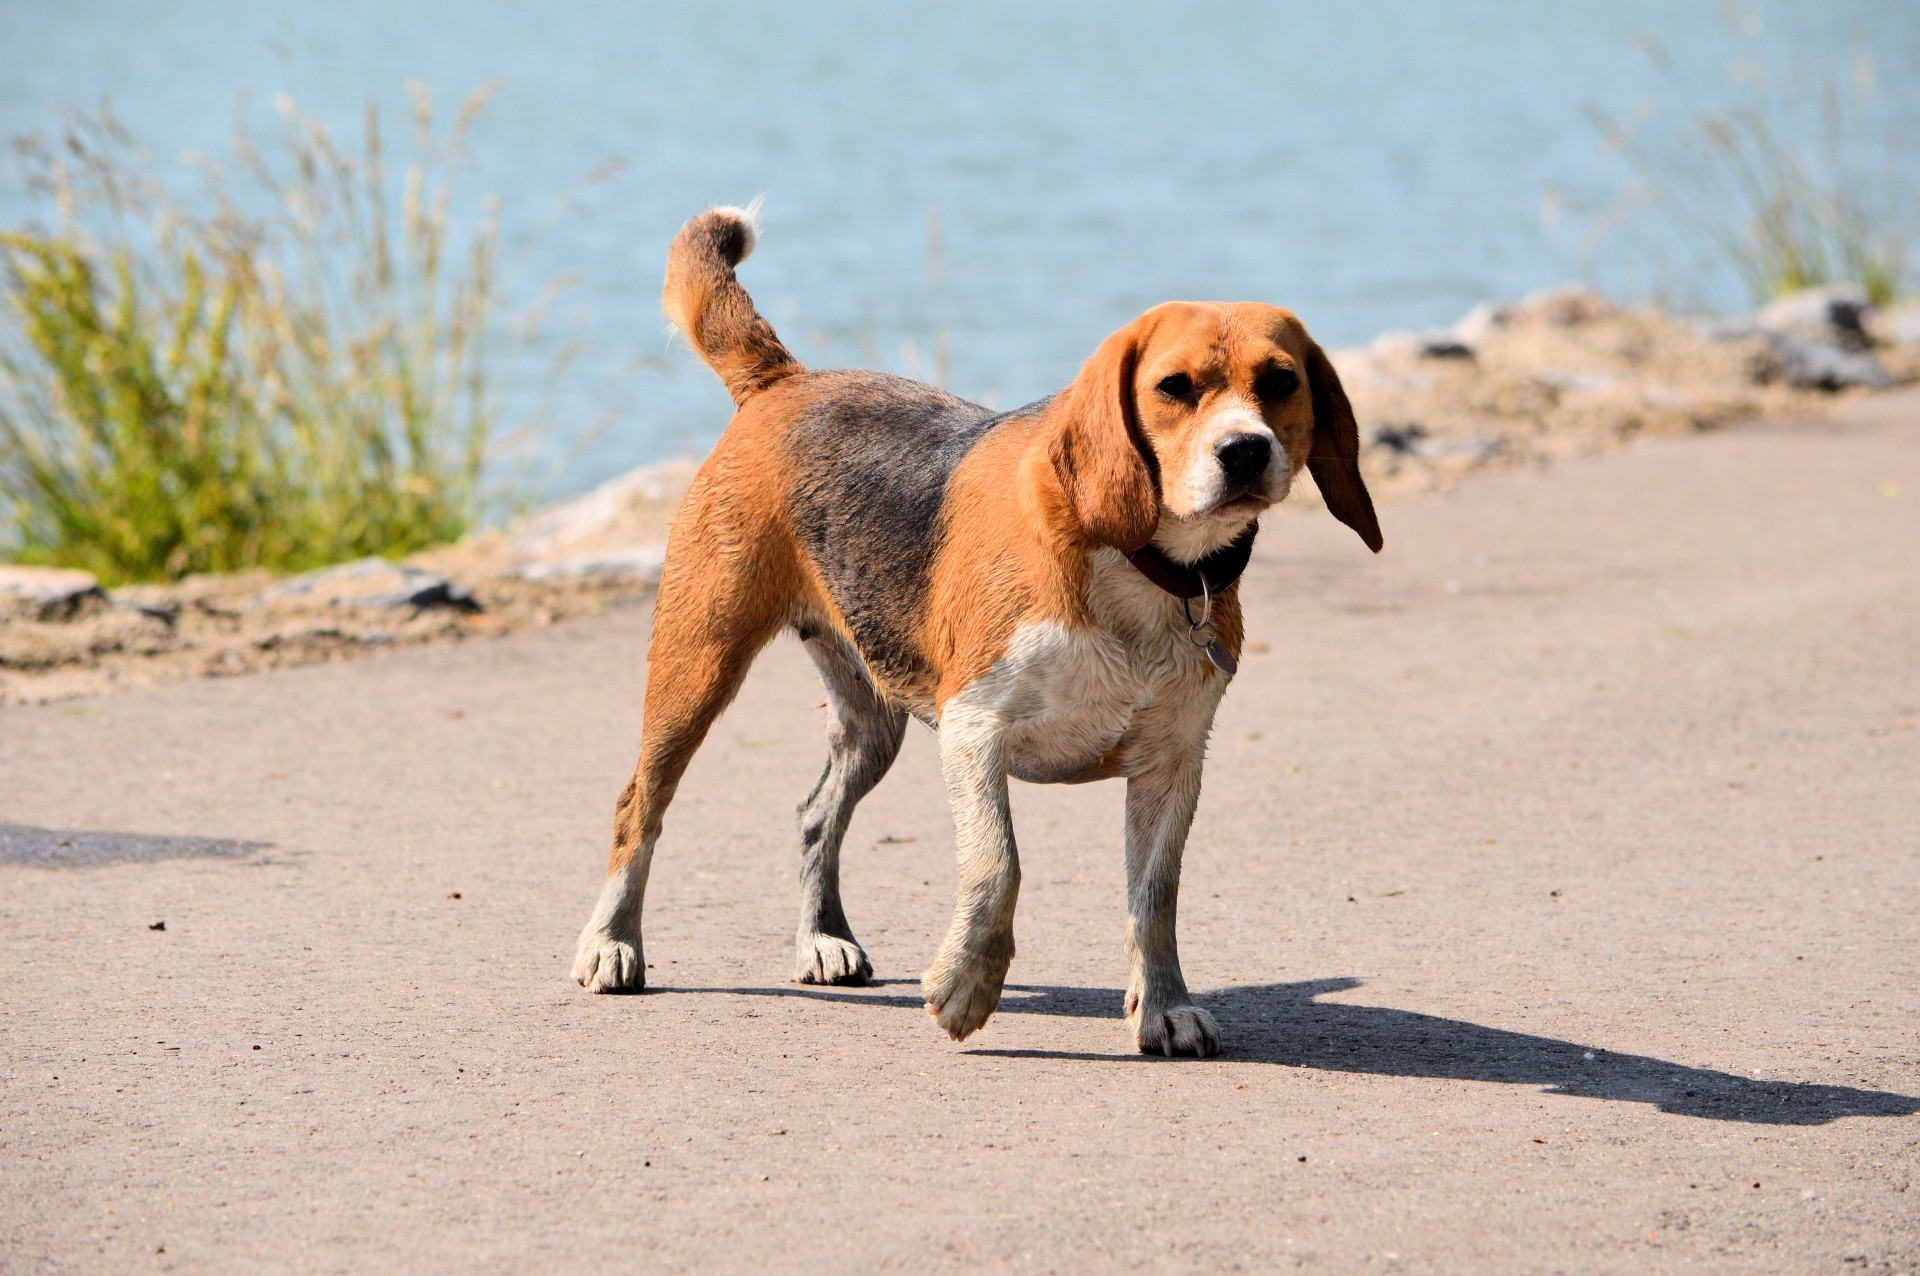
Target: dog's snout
{"x":1243,"y":456}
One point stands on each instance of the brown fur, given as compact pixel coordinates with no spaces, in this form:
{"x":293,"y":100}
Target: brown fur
{"x":1021,"y":512}
{"x":725,"y":590}
{"x":1093,"y":440}
{"x":1335,"y":459}
{"x":707,"y":303}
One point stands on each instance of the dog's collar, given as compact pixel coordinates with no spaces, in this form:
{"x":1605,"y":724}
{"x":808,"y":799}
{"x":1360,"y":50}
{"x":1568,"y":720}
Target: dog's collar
{"x":1215,"y":572}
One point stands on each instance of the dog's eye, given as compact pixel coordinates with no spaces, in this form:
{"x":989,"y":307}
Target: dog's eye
{"x":1276,"y":384}
{"x":1178,"y":387}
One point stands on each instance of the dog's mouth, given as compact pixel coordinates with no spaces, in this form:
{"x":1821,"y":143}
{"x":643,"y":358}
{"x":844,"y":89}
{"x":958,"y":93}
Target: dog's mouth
{"x":1247,"y":496}
{"x":1246,"y":502}
{"x":1234,"y":509}
{"x":1192,"y":537}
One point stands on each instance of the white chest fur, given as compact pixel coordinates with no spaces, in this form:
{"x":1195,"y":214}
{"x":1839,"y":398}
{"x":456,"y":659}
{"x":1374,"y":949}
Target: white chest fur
{"x":1131,"y":689}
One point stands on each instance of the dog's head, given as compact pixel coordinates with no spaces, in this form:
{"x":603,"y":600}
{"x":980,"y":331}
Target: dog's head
{"x":1194,"y":418}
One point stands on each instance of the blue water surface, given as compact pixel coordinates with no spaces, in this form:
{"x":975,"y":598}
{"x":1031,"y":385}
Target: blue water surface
{"x":1370,"y":164}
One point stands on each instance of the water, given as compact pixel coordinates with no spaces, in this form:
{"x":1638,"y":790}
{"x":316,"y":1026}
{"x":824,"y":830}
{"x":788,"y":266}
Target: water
{"x":1371,"y":165}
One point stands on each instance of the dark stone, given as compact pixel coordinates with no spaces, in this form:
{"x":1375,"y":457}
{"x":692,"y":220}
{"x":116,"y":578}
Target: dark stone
{"x":47,"y":593}
{"x":1818,"y":365}
{"x":1414,"y":439}
{"x":1444,"y":345}
{"x":1835,"y":314}
{"x":377,"y":584}
{"x":1404,"y":439}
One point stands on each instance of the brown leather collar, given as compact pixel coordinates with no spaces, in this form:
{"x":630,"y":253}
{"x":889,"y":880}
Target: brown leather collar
{"x":1218,"y":570}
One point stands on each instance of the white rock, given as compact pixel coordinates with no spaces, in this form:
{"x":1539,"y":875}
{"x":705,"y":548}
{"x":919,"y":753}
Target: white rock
{"x":1820,"y":365}
{"x":45,"y":593}
{"x":1834,"y":313}
{"x":374,"y":583}
{"x":640,"y":563}
{"x":551,"y":529}
{"x":1577,"y":381}
{"x":1483,"y":320}
{"x":1901,"y":325}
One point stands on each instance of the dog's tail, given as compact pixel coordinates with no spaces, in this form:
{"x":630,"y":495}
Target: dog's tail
{"x":707,"y":303}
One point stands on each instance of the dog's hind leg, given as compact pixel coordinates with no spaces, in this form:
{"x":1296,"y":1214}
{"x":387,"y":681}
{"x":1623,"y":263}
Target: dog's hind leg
{"x":862,"y":740}
{"x":715,"y":610}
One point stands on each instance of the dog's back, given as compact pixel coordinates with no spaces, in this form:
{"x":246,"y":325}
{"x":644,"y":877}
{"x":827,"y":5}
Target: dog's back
{"x":864,"y":459}
{"x":869,"y":461}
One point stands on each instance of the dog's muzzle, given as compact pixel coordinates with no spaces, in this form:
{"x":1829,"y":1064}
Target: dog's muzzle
{"x":1243,"y":458}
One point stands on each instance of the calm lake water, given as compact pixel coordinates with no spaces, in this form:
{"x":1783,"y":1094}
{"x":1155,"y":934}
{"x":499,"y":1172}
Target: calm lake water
{"x":1371,"y":165}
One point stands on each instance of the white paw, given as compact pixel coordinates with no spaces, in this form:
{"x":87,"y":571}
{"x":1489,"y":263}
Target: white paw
{"x":604,"y":964}
{"x":1186,"y":1031}
{"x":828,"y":959}
{"x":963,"y":991}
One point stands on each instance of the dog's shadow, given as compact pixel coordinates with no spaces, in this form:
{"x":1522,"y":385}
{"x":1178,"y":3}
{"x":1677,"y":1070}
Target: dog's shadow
{"x":1285,"y":1024}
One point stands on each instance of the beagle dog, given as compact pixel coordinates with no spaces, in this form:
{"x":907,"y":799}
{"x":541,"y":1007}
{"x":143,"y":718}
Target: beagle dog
{"x":1051,"y":589}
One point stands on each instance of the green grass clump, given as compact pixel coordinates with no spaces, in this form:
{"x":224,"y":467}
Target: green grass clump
{"x":298,"y":377}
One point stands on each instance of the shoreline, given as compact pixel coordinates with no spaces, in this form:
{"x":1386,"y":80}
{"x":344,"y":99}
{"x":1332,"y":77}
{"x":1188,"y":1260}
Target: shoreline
{"x":1560,"y":374}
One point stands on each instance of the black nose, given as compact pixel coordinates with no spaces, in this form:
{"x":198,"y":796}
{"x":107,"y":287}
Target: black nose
{"x":1243,"y":456}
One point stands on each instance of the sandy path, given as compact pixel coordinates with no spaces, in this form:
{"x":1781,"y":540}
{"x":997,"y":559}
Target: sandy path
{"x":1556,"y":884}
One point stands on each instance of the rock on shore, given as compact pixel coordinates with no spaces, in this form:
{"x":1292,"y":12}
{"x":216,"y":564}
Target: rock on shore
{"x":1566,"y":372}
{"x":45,"y":593}
{"x":1563,"y":372}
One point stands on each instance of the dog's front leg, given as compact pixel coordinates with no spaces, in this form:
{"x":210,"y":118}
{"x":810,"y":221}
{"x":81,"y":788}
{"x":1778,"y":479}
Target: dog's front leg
{"x":963,"y":985}
{"x":1160,"y":805}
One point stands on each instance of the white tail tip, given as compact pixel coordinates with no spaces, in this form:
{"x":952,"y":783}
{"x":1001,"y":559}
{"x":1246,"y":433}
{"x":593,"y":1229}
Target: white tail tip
{"x":747,"y":219}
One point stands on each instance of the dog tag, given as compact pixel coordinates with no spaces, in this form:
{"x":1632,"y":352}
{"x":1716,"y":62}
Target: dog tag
{"x":1222,"y":658}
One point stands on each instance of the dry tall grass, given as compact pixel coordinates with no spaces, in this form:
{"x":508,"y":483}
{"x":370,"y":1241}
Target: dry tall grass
{"x":1790,"y":186}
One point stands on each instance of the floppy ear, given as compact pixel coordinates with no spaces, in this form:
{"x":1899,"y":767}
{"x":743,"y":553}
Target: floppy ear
{"x":1335,"y":458}
{"x":1104,"y":465}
